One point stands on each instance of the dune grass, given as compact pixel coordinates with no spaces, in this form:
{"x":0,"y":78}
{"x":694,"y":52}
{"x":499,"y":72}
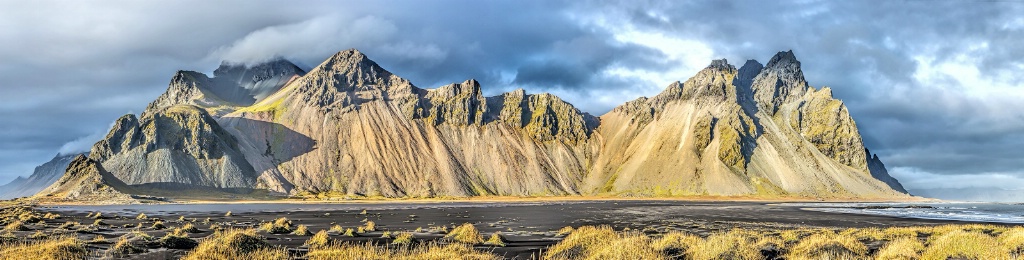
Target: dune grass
{"x":971,"y":241}
{"x":466,"y":233}
{"x":372,"y":252}
{"x":829,"y":245}
{"x":319,"y":240}
{"x":963,"y":244}
{"x":123,"y":247}
{"x":279,"y":226}
{"x":54,"y":248}
{"x":236,"y":244}
{"x":905,"y":248}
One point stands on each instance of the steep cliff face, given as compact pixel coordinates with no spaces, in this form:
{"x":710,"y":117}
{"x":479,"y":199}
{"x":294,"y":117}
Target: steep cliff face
{"x":369,"y":132}
{"x":753,"y":131}
{"x":878,"y":171}
{"x":351,"y":127}
{"x":43,"y":176}
{"x":181,"y":144}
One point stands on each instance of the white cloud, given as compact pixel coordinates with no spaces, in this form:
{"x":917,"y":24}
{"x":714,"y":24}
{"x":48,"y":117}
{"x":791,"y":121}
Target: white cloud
{"x":82,"y":144}
{"x":914,"y":178}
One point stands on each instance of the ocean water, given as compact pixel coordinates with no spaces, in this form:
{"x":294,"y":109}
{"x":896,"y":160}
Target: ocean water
{"x":959,"y":211}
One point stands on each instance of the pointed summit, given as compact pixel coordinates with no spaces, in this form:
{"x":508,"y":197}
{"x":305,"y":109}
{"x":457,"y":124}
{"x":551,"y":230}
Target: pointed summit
{"x":783,"y":58}
{"x":779,"y":81}
{"x":721,"y":64}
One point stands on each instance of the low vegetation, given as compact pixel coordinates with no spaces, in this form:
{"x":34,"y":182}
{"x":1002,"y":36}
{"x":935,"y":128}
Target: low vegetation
{"x":466,"y":233}
{"x":28,"y":235}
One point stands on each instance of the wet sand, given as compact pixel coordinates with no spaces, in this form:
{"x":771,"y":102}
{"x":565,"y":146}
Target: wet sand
{"x":528,"y":226}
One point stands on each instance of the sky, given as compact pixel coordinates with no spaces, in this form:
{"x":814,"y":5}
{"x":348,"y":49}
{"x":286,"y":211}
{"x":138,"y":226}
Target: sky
{"x":934,"y":86}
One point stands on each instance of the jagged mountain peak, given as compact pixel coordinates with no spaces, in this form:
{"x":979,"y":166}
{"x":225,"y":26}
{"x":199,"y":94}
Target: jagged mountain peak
{"x":721,"y":64}
{"x":783,"y":58}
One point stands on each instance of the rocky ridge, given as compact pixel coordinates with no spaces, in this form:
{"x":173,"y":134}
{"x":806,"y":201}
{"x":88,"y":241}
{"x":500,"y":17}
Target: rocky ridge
{"x":350,"y":127}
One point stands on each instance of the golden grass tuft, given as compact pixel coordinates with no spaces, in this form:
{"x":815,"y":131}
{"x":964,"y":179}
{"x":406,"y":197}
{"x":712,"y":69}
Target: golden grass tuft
{"x":17,"y":225}
{"x":228,"y":214}
{"x":236,"y":244}
{"x":99,"y":239}
{"x":829,"y":245}
{"x":302,"y":230}
{"x":29,"y":217}
{"x":1012,"y":242}
{"x":177,"y":239}
{"x":370,"y":226}
{"x":39,"y":235}
{"x":321,"y":239}
{"x":124,"y":247}
{"x":349,"y":232}
{"x":962,"y":244}
{"x":158,"y":225}
{"x":402,"y":238}
{"x":188,"y":227}
{"x":901,"y":249}
{"x":628,"y":245}
{"x":337,"y":229}
{"x":371,"y":252}
{"x":735,"y":244}
{"x":581,"y":241}
{"x":495,"y":240}
{"x":675,"y":244}
{"x":69,"y":224}
{"x":466,"y":233}
{"x":279,"y":226}
{"x":565,"y":231}
{"x":141,"y":216}
{"x":54,"y":248}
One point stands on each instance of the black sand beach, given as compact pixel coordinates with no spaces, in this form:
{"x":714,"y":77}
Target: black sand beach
{"x":528,"y":226}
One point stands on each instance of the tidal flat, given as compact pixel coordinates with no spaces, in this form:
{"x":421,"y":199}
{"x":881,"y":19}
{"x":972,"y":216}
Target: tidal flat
{"x":526,"y":230}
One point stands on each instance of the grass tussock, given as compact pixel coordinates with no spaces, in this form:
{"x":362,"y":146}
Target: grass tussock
{"x":901,"y":249}
{"x":466,"y":233}
{"x":39,"y":235}
{"x":1012,"y":242}
{"x":581,"y":241}
{"x":302,"y":230}
{"x":236,"y":244}
{"x":178,"y":239}
{"x":54,"y":248}
{"x":829,"y":245}
{"x":369,"y":226}
{"x":124,"y":247}
{"x":69,"y":225}
{"x":337,"y":229}
{"x":158,"y":225}
{"x":17,"y":225}
{"x":371,"y":252}
{"x":142,"y":216}
{"x":735,"y":244}
{"x":320,"y":240}
{"x":279,"y":226}
{"x":676,"y":244}
{"x":564,"y":231}
{"x":188,"y":227}
{"x":402,"y":238}
{"x":962,"y":244}
{"x":495,"y":240}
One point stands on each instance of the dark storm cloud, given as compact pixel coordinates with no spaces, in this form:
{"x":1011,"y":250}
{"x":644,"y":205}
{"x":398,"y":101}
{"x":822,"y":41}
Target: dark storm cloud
{"x":932,"y":84}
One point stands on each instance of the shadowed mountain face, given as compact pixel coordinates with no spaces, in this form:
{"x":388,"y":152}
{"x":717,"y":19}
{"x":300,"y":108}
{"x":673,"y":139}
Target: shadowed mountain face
{"x":349,"y":126}
{"x":41,"y":177}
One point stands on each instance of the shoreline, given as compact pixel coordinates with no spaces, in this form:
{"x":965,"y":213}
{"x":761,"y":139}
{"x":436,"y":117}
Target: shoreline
{"x":500,"y":199}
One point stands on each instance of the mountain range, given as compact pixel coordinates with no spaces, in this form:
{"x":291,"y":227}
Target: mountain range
{"x":350,"y":128}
